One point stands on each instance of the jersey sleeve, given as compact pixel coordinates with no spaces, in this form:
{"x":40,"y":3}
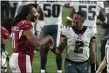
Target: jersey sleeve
{"x":100,"y":4}
{"x":93,"y":36}
{"x":65,"y":33}
{"x":25,"y":25}
{"x":92,"y":33}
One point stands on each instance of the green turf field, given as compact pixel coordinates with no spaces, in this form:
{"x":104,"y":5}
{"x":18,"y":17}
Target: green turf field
{"x":51,"y":63}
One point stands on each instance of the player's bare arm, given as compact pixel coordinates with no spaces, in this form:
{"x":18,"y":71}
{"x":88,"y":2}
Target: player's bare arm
{"x":30,"y":36}
{"x":92,"y":56}
{"x":102,"y":15}
{"x":92,"y":51}
{"x":102,"y":65}
{"x":70,"y":17}
{"x":61,"y":47}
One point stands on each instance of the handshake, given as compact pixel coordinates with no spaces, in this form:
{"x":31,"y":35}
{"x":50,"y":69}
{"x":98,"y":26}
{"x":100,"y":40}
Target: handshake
{"x":50,"y":42}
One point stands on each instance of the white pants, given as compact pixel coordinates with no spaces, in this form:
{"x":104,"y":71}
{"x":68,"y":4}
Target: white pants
{"x":20,"y":63}
{"x":3,"y":61}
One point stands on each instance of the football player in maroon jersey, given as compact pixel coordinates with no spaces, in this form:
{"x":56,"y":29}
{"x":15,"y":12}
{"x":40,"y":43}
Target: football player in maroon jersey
{"x":4,"y":55}
{"x":24,"y":40}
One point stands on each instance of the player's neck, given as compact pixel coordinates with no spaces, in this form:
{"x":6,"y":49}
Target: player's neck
{"x":28,"y":18}
{"x":79,"y":28}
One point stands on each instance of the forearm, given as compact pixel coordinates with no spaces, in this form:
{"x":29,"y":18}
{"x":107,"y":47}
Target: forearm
{"x":44,"y":40}
{"x":101,"y":66}
{"x":61,"y":47}
{"x":93,"y":57}
{"x":93,"y":62}
{"x":36,"y":41}
{"x":92,"y":51}
{"x":102,"y":15}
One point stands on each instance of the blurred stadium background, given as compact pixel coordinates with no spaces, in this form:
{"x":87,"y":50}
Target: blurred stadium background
{"x":51,"y":64}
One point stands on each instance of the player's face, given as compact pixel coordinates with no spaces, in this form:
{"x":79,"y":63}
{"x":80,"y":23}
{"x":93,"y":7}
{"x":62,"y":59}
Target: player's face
{"x":3,"y":41}
{"x":33,"y":14}
{"x":78,"y":21}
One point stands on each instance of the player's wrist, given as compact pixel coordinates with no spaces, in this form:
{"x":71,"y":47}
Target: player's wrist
{"x":93,"y":67}
{"x":98,"y":71}
{"x":48,"y":37}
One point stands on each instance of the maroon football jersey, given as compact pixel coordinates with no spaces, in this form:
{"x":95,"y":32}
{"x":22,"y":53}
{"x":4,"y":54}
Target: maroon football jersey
{"x":20,"y":42}
{"x":4,"y":33}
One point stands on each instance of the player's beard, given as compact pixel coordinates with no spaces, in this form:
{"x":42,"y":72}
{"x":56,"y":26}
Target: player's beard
{"x":79,"y":25}
{"x":33,"y":18}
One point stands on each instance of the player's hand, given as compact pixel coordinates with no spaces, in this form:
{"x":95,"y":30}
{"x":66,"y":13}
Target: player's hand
{"x":51,"y":42}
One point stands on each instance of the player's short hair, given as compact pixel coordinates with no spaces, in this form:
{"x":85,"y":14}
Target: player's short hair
{"x":82,"y":14}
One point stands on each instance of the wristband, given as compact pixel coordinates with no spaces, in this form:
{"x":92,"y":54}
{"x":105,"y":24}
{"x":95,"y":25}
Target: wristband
{"x":93,"y":68}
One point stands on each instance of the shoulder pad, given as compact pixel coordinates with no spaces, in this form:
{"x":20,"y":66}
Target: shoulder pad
{"x":24,"y":25}
{"x":4,"y":33}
